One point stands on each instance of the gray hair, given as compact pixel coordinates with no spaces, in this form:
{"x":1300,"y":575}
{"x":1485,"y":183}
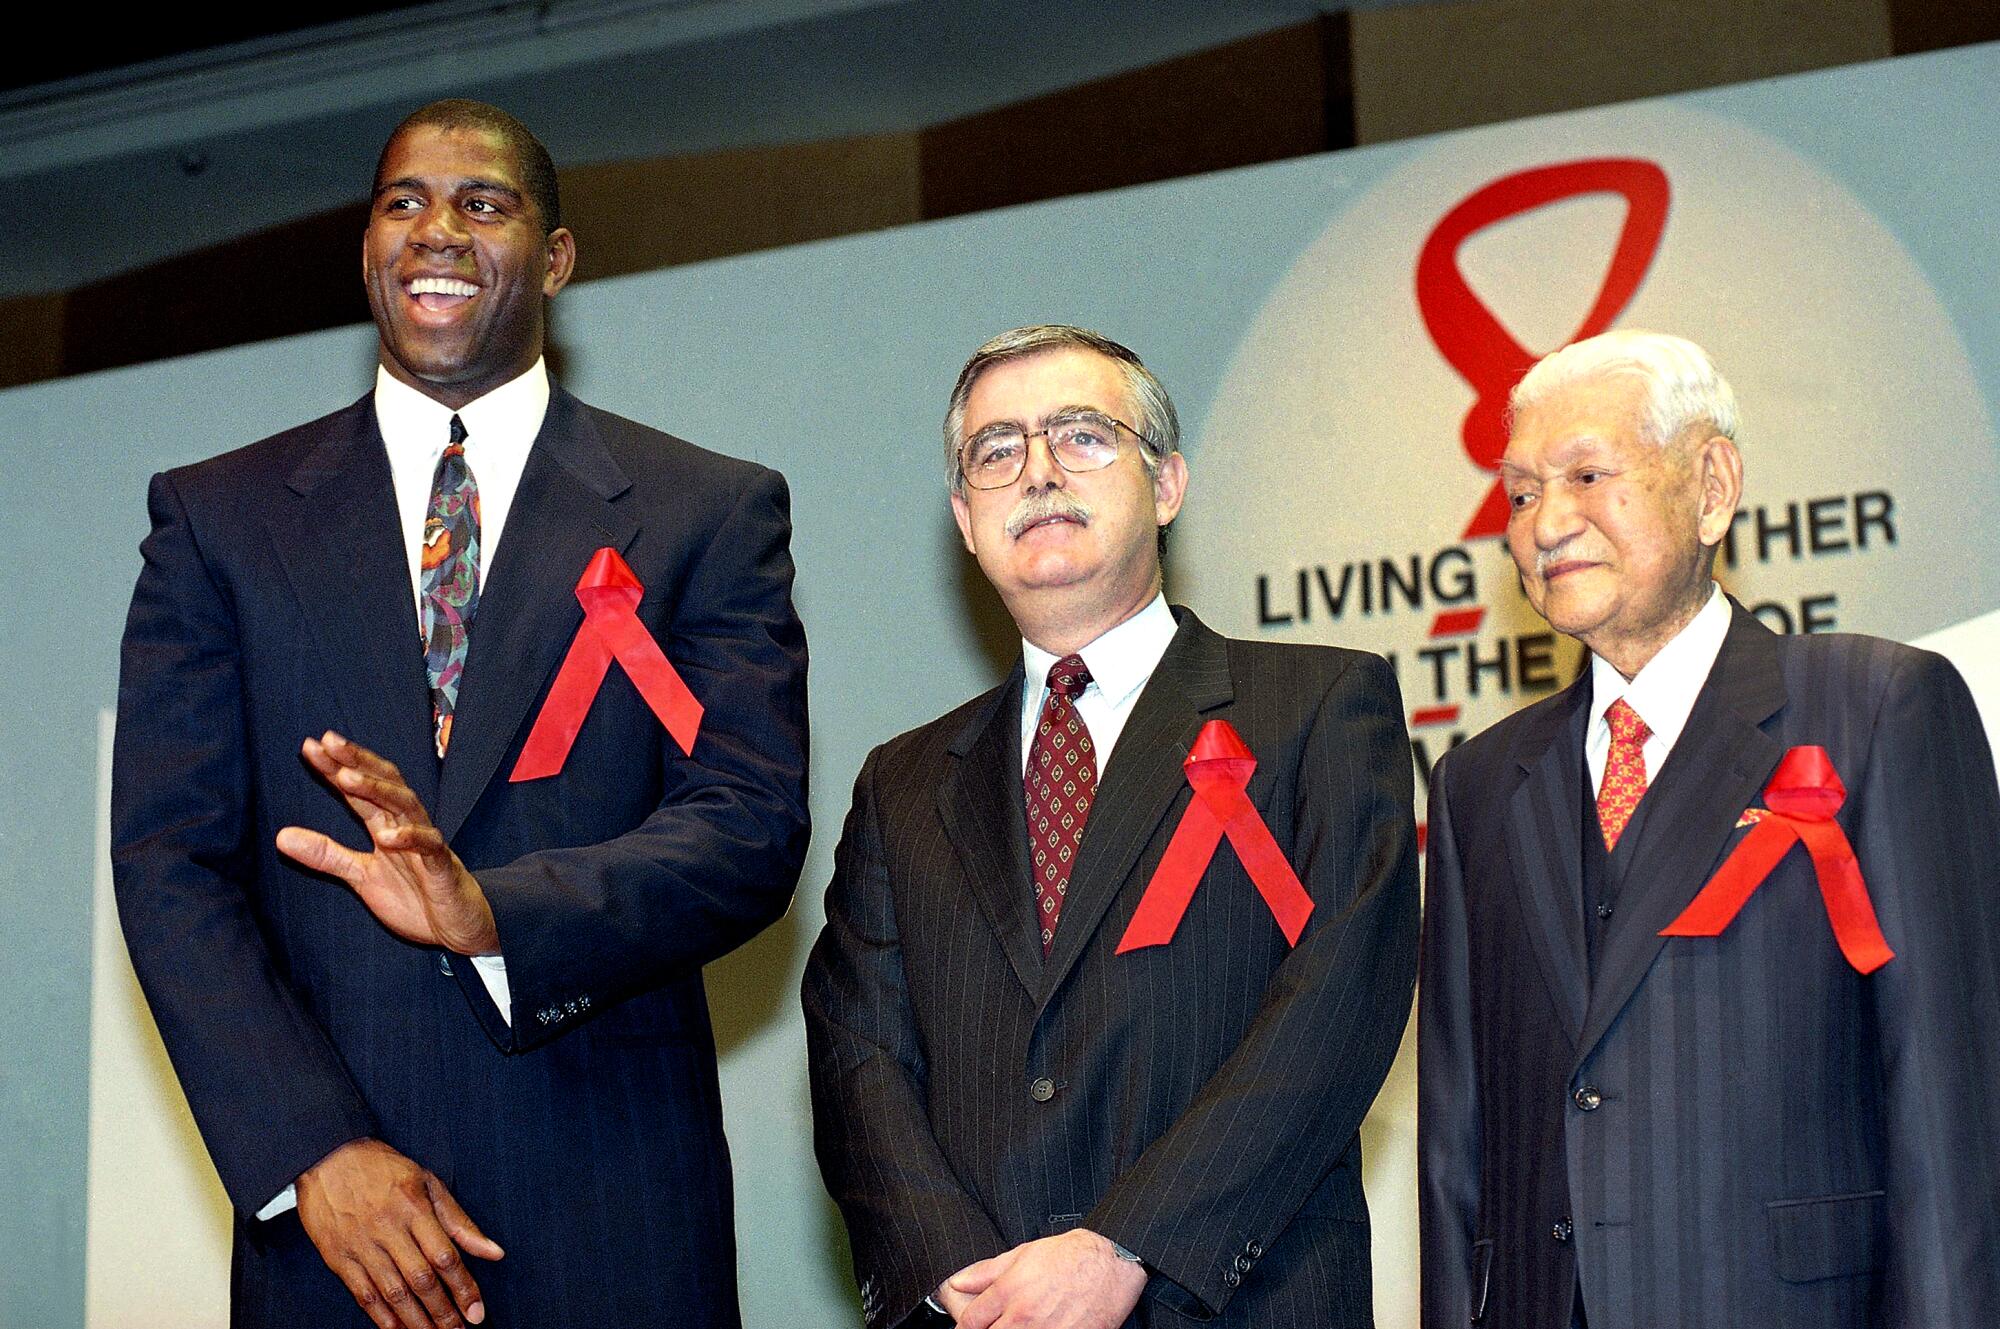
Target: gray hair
{"x":1683,"y":387}
{"x":1159,"y":427}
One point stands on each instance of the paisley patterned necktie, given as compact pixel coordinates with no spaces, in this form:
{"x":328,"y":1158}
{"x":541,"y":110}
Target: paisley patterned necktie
{"x":450,"y":579}
{"x":1624,"y":771}
{"x":1061,"y":781}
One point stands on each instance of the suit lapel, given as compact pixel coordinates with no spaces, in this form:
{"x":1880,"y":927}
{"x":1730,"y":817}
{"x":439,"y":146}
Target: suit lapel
{"x":1142,"y":783}
{"x":1715,"y":771}
{"x":341,"y":546}
{"x":982,"y":806}
{"x":561,"y":515}
{"x":1545,"y":849}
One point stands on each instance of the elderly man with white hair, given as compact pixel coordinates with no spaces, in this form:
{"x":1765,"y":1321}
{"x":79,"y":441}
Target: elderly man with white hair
{"x":1709,"y":1027}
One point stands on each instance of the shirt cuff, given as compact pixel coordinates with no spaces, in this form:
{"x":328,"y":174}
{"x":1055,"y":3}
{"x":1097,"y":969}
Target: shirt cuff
{"x":286,"y":1201}
{"x":493,"y":973}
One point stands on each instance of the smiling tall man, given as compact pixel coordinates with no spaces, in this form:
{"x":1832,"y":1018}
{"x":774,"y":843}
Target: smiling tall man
{"x":421,"y":1010}
{"x":1675,"y":1067}
{"x":1075,"y":1062}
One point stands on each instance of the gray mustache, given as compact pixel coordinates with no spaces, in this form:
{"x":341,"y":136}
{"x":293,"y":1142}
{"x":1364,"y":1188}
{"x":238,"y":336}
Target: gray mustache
{"x":1042,"y":506}
{"x":1544,"y":558}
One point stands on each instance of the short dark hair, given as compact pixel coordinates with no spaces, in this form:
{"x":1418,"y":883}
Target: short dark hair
{"x":538,"y":169}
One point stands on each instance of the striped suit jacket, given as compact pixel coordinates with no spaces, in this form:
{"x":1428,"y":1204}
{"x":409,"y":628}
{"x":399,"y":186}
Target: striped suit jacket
{"x":1718,"y":1131}
{"x":586,"y":1137}
{"x":1196,"y":1102}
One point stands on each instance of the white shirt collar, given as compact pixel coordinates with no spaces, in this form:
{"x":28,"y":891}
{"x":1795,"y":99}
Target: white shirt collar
{"x":1664,"y":691}
{"x":505,"y":420}
{"x":1120,"y":661}
{"x":500,"y":432}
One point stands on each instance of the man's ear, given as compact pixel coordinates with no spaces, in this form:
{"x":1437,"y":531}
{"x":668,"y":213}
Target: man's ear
{"x":562,"y":260}
{"x":962,"y":514}
{"x":1169,"y":488}
{"x":1718,"y":468}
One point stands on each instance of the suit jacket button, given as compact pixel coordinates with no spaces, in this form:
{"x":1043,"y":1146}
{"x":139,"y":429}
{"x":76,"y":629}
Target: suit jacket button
{"x":1562,"y":1230}
{"x":1230,"y":1278}
{"x":1254,"y":1250}
{"x":1242,"y":1264}
{"x":444,"y":964}
{"x":1043,"y":1089}
{"x":1588,"y":1098}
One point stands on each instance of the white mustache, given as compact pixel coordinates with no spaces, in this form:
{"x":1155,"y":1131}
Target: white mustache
{"x":1041,"y":506}
{"x":1545,"y":557}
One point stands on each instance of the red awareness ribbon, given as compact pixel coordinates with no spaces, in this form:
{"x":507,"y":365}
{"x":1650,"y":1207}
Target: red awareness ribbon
{"x":1477,"y":343}
{"x":609,"y":593}
{"x":1218,"y":767}
{"x":1802,"y":796}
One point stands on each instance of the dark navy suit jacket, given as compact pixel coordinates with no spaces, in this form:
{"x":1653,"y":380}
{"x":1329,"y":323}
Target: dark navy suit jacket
{"x":1197,"y":1102}
{"x":587,"y":1138}
{"x":1717,"y":1131}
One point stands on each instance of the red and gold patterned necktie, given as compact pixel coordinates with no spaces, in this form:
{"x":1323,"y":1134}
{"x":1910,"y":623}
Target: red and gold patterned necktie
{"x":1624,"y":771}
{"x":450,"y":579}
{"x":1061,"y":780}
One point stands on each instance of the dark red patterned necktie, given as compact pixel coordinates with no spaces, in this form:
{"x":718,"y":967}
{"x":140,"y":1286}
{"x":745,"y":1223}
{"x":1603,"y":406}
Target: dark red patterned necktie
{"x":1624,"y":771}
{"x":1060,"y":782}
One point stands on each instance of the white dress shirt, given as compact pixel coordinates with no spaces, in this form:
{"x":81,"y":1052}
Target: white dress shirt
{"x":1663,"y":692}
{"x":500,"y":428}
{"x":1120,"y":662}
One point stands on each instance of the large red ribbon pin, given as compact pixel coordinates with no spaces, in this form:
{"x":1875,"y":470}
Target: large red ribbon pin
{"x":1803,"y":794}
{"x":1218,"y":768}
{"x":609,"y":593}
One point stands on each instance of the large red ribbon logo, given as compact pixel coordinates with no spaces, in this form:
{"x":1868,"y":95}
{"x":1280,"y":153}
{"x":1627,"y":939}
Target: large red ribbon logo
{"x":1218,"y":768}
{"x":1476,"y":343}
{"x":609,"y":593}
{"x":1803,"y":794}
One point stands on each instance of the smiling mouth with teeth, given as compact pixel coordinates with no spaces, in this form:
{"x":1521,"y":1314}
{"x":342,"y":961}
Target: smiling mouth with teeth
{"x":441,"y":292}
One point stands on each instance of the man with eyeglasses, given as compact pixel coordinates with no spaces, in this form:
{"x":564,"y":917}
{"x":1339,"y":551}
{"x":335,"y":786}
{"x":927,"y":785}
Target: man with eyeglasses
{"x":1117,"y":954}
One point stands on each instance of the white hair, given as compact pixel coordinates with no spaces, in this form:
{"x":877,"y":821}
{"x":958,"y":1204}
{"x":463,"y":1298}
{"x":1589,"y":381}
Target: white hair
{"x":1683,"y":387}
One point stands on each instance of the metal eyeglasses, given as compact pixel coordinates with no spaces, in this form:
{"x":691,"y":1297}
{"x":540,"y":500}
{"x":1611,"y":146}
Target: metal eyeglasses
{"x":1078,"y":440}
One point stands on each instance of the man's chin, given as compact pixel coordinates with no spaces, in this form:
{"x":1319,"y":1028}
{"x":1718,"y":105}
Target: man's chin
{"x":1051,"y":573}
{"x":1571,"y":615}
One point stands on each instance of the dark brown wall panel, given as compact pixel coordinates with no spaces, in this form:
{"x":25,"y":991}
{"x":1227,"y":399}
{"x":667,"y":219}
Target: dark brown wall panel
{"x":295,"y":278}
{"x":1257,"y":100}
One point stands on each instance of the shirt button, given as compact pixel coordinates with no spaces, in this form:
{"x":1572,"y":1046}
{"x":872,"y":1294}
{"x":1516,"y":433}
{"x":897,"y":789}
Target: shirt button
{"x":1043,"y":1089}
{"x":1588,"y":1098}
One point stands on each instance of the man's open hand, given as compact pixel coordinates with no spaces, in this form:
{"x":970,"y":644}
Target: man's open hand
{"x":412,"y":881}
{"x":1072,"y":1281}
{"x":391,"y":1232}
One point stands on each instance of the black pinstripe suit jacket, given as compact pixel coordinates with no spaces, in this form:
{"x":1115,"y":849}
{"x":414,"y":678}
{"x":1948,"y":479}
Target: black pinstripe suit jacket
{"x":1773,"y":1139}
{"x":1207,"y":1093}
{"x":587,"y":1138}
